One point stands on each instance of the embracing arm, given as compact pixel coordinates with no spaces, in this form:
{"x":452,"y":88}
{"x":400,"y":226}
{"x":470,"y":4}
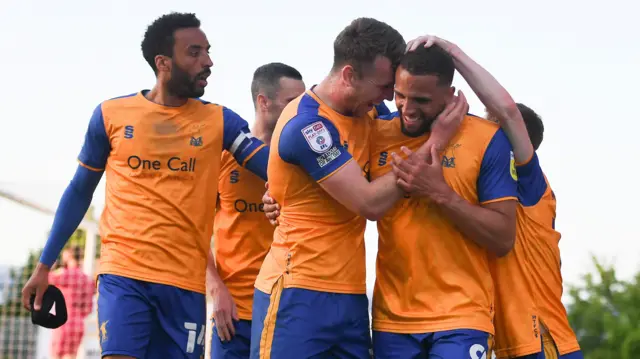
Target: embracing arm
{"x":247,"y":150}
{"x":497,"y":100}
{"x":313,"y":143}
{"x":492,"y":224}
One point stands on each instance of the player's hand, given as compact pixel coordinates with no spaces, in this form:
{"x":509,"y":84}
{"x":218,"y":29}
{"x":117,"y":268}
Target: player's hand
{"x":224,"y":313}
{"x":37,"y":284}
{"x":447,"y":123}
{"x":430,"y":40}
{"x":271,"y":207}
{"x":421,"y":173}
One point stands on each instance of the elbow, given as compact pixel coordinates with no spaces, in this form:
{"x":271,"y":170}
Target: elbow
{"x":372,"y":213}
{"x":505,"y":246}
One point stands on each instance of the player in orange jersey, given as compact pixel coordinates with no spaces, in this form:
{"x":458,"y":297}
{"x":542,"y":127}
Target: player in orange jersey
{"x":160,"y":150}
{"x":242,"y":234}
{"x":531,"y":321}
{"x":310,"y":296}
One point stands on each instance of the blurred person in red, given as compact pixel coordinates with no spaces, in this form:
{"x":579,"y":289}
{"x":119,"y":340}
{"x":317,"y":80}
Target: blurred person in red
{"x":78,"y":290}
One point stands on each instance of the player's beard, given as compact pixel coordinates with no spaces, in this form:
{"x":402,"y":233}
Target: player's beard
{"x":182,"y":85}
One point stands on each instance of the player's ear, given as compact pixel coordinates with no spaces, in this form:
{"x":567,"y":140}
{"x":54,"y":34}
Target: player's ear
{"x":348,"y":75}
{"x":262,"y":102}
{"x":163,"y":63}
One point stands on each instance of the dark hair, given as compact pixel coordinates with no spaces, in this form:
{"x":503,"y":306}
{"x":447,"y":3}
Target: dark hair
{"x":432,"y":60}
{"x":360,"y":43}
{"x":534,"y":125}
{"x":159,"y":37}
{"x":267,"y":77}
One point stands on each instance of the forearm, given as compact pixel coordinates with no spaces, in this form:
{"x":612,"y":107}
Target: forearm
{"x":73,"y":206}
{"x":214,"y":281}
{"x":381,"y":195}
{"x":497,"y":100}
{"x":489,"y":229}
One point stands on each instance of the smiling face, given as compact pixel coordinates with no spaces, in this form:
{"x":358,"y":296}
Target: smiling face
{"x":419,"y":99}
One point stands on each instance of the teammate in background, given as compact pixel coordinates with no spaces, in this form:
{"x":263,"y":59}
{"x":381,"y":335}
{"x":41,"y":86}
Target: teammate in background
{"x":78,"y":290}
{"x":242,"y":234}
{"x":160,"y":150}
{"x":531,"y":321}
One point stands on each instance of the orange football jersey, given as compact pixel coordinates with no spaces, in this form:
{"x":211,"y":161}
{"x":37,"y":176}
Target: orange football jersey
{"x":162,"y":167}
{"x":536,"y":231}
{"x":242,"y":232}
{"x":429,"y":277}
{"x":319,"y":243}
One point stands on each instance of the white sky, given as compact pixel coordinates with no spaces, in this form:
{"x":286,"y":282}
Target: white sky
{"x":575,"y":63}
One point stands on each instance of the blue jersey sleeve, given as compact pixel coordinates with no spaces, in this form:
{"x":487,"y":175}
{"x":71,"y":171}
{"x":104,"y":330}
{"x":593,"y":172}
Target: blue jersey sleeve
{"x":382,"y":109}
{"x":497,"y":177}
{"x":531,"y":182}
{"x":96,"y":147}
{"x":313,"y":143}
{"x":73,"y":206}
{"x":238,"y":140}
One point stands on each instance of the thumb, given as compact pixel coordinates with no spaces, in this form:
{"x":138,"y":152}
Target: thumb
{"x":266,"y":185}
{"x":37,"y":303}
{"x":235,"y":312}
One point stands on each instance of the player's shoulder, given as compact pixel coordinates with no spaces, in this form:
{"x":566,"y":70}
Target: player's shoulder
{"x":119,"y":101}
{"x":387,"y":126}
{"x":480,"y":130}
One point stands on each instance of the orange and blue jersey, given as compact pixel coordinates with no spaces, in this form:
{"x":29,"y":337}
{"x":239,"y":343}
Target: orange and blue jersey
{"x":242,"y":233}
{"x":162,"y":166}
{"x":430,"y":278}
{"x":310,"y":294}
{"x":536,"y":231}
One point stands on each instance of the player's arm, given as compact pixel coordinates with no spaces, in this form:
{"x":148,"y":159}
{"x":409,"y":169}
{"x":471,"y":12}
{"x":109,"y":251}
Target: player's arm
{"x":313,"y":143}
{"x":492,"y":224}
{"x":247,"y":150}
{"x":77,"y":197}
{"x":496,"y":98}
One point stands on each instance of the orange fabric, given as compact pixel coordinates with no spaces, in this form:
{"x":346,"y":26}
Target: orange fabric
{"x":319,"y":244}
{"x":242,"y":232}
{"x":429,"y":276}
{"x":161,"y":189}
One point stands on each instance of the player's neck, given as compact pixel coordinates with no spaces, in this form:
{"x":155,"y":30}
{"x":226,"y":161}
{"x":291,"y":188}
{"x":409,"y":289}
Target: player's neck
{"x":330,"y":92}
{"x":160,"y":96}
{"x":261,"y":130}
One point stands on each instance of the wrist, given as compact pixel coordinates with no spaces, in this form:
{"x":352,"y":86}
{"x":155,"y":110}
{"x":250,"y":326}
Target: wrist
{"x":42,"y":268}
{"x":444,"y":197}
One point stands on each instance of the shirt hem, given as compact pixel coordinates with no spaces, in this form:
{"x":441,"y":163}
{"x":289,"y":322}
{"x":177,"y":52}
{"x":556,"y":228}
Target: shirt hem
{"x":200,"y":289}
{"x":427,"y":327}
{"x":518,"y":351}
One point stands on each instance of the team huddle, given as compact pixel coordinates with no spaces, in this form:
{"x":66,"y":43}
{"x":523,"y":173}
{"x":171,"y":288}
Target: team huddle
{"x":468,"y":264}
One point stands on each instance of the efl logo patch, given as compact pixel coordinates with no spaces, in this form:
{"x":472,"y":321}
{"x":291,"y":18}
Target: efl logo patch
{"x":328,"y":156}
{"x":318,"y":137}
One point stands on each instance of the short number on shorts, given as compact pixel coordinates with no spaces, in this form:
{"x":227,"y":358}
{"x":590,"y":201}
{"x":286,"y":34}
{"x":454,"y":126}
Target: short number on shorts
{"x":191,"y":341}
{"x":477,"y":351}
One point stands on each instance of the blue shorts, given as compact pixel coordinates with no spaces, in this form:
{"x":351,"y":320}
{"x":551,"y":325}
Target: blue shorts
{"x":451,"y":344}
{"x":301,"y":323}
{"x":238,"y":347}
{"x":149,"y":320}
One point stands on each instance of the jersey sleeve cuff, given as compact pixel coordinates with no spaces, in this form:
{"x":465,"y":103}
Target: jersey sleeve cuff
{"x":528,"y":167}
{"x":94,"y":169}
{"x":501,"y":199}
{"x":334,"y":171}
{"x":520,"y":164}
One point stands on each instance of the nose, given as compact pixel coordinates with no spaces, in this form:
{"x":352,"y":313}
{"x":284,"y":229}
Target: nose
{"x":409,"y":107}
{"x":207,"y":61}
